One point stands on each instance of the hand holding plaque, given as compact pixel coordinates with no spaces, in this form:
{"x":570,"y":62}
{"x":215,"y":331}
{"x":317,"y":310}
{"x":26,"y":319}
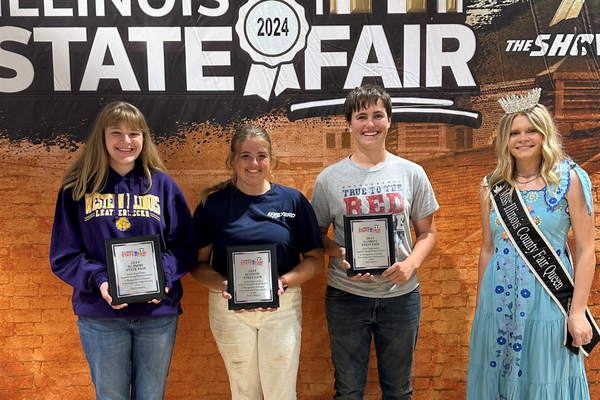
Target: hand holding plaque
{"x":369,"y":242}
{"x":135,"y":270}
{"x":252,"y":276}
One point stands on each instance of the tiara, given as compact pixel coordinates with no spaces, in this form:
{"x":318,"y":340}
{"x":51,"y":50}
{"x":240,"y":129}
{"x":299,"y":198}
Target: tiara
{"x":520,"y":103}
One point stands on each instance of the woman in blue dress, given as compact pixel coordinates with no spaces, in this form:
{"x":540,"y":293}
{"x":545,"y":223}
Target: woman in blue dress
{"x":517,"y":346}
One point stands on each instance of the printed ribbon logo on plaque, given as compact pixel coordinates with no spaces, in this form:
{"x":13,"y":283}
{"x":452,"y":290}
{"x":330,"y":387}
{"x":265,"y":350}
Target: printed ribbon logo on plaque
{"x":272,"y":32}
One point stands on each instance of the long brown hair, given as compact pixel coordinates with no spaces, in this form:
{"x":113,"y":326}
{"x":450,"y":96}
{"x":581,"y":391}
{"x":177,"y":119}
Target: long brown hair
{"x":241,"y":134}
{"x":90,"y":171}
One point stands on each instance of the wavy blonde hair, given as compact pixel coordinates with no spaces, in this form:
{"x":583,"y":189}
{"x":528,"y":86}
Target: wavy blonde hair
{"x":90,"y":171}
{"x":552,"y":150}
{"x":241,"y":134}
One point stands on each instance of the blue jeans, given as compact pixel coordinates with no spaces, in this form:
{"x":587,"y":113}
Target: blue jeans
{"x":394,"y":325}
{"x":128,"y":355}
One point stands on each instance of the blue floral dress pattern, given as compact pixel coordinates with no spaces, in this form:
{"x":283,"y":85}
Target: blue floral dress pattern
{"x":517,"y":349}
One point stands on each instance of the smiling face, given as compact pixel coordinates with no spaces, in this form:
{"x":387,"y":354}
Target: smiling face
{"x":252,"y":165}
{"x":124,"y":145}
{"x":369,"y":127}
{"x":525,"y":142}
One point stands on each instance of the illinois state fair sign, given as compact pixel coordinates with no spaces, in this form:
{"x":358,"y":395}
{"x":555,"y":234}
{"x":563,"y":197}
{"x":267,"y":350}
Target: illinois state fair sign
{"x":192,"y":61}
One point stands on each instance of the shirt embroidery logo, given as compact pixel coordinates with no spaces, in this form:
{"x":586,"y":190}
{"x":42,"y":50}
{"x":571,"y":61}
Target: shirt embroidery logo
{"x":123,"y":224}
{"x":276,"y":215}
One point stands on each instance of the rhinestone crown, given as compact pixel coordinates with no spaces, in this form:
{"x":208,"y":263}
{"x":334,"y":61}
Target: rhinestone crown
{"x":520,"y":103}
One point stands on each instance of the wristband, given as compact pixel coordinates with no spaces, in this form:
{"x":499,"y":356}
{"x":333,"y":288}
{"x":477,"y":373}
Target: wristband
{"x":284,"y":284}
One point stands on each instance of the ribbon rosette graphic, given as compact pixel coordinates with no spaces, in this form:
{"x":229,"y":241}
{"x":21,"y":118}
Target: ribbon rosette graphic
{"x":272,"y":32}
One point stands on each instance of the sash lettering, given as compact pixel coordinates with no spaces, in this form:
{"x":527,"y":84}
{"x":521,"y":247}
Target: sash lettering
{"x":539,"y":256}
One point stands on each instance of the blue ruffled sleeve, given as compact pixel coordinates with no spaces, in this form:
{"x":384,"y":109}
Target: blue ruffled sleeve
{"x":586,"y":183}
{"x":554,"y":194}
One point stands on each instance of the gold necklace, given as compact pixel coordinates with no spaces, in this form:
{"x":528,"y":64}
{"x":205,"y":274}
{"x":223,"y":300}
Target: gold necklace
{"x":531,"y":180}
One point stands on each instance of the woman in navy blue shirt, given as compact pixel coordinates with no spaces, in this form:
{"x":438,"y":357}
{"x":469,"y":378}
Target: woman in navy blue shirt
{"x":261,"y":349}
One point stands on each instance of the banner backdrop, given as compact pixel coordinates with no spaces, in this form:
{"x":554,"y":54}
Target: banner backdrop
{"x":190,"y":61}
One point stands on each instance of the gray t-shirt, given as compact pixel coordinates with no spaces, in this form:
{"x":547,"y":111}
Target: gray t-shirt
{"x":398,"y":186}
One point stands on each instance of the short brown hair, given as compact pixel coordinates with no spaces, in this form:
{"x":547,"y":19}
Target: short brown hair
{"x":366,"y":96}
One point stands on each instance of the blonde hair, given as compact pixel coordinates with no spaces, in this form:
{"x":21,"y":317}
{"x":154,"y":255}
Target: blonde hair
{"x":90,"y":171}
{"x":241,"y":134}
{"x":552,"y":151}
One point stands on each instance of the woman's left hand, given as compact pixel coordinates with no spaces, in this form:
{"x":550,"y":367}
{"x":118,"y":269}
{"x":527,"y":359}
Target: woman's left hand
{"x":156,"y":301}
{"x":580,"y":329}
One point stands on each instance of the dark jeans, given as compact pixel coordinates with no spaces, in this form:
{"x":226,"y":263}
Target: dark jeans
{"x":392,"y":322}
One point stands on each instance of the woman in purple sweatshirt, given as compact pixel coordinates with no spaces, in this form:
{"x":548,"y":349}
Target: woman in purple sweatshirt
{"x":118,"y":188}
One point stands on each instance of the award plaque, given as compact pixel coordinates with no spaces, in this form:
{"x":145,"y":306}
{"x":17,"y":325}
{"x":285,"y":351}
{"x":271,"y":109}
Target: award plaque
{"x":135,"y":270}
{"x":252,"y":277}
{"x":369,"y":243}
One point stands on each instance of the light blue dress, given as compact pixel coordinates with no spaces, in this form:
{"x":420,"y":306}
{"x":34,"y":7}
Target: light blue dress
{"x":517,"y":350}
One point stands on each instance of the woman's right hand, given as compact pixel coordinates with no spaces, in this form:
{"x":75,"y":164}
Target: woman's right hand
{"x":227,"y":296}
{"x":225,"y":293}
{"x":580,"y":329}
{"x":106,"y":296}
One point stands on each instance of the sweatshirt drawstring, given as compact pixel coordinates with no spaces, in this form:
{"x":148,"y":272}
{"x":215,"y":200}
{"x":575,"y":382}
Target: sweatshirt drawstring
{"x":117,"y":203}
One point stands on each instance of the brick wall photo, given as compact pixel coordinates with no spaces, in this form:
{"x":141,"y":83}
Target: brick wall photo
{"x":40,"y":353}
{"x":198,"y":68}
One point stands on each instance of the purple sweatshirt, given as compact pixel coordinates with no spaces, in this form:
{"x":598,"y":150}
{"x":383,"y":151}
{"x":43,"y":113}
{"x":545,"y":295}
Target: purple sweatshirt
{"x":122,"y":209}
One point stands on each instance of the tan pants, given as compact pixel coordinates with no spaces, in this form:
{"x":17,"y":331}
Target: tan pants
{"x":261,"y":350}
